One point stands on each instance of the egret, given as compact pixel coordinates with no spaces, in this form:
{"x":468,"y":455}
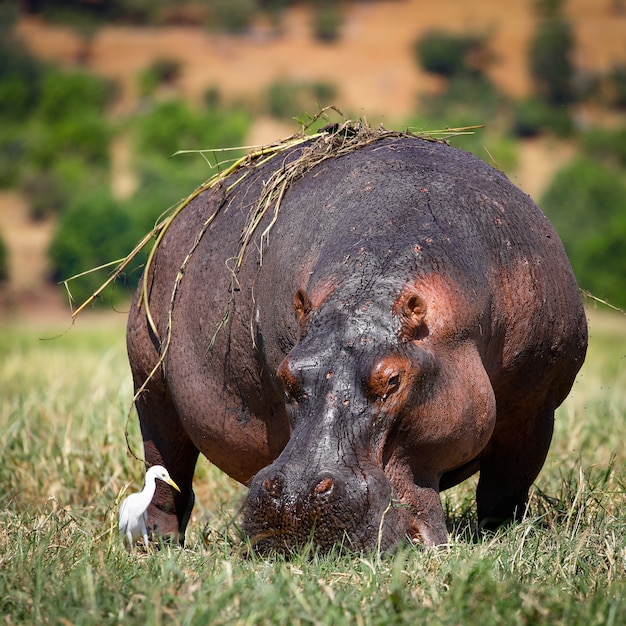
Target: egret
{"x":133,"y":510}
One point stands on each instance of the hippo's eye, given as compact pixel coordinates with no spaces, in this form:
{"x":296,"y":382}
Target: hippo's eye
{"x":393,"y":383}
{"x":385,"y":380}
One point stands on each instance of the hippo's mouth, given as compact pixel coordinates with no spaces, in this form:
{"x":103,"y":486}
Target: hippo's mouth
{"x":271,"y":531}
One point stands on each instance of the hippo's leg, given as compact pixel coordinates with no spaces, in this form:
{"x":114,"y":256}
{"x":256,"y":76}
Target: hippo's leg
{"x":430,"y":518}
{"x":509,"y":466}
{"x":164,"y":438}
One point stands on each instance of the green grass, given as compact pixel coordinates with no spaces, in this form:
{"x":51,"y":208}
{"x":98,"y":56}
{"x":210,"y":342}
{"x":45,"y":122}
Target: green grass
{"x":63,"y":407}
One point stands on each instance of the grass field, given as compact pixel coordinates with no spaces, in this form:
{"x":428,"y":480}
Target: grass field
{"x":63,"y":407}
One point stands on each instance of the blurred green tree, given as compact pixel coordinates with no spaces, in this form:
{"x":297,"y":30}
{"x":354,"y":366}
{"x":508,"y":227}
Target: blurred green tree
{"x":451,"y":55}
{"x":4,"y":261}
{"x":94,"y":230}
{"x":586,"y":202}
{"x":551,"y":49}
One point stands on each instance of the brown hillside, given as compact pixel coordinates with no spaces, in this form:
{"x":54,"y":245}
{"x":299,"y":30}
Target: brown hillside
{"x":372,"y":63}
{"x":372,"y":66}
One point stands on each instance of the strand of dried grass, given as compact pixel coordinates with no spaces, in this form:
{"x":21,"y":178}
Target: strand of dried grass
{"x":330,"y":142}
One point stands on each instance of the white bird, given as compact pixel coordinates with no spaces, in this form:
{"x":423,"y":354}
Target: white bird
{"x":133,"y":510}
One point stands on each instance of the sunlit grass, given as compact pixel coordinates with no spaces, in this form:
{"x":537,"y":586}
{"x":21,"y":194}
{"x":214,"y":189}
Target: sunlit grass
{"x":63,"y":411}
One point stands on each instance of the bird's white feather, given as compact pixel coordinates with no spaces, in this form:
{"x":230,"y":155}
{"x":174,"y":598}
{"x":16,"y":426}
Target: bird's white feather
{"x":133,"y":517}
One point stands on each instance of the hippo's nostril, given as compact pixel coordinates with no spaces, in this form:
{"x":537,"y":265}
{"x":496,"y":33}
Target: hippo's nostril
{"x":273,"y":485}
{"x":325,"y":486}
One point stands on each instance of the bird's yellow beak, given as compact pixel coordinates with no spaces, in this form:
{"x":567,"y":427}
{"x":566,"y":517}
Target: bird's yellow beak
{"x":171,"y":482}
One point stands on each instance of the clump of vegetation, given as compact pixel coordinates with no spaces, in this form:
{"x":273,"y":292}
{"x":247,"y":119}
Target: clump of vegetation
{"x":94,"y":230}
{"x":450,"y":55}
{"x":533,"y":117}
{"x":4,"y":260}
{"x":607,"y":145}
{"x":163,"y":71}
{"x":97,"y":228}
{"x":586,"y":202}
{"x":616,"y":87}
{"x":327,"y":20}
{"x":48,"y":112}
{"x":287,"y":99}
{"x":551,"y":50}
{"x":46,"y":193}
{"x":20,"y":79}
{"x":465,"y":101}
{"x":174,"y":125}
{"x":552,"y":70}
{"x":67,"y":94}
{"x":468,"y":96}
{"x":234,"y":16}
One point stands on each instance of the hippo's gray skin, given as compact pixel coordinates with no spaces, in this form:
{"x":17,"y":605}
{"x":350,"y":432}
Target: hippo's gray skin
{"x":414,"y":320}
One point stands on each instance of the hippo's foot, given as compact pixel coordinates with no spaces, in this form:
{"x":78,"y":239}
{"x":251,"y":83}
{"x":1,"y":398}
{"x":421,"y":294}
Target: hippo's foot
{"x":429,"y":526}
{"x":502,"y":512}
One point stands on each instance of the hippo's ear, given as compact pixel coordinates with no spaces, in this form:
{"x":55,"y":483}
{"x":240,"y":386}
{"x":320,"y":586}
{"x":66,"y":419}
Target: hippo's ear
{"x":302,"y":305}
{"x":411,"y":308}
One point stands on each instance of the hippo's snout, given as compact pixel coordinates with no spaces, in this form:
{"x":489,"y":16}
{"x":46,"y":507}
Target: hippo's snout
{"x":285,"y":511}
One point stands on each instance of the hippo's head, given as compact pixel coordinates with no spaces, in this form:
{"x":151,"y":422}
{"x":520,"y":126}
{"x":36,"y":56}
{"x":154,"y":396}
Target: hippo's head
{"x":358,"y":469}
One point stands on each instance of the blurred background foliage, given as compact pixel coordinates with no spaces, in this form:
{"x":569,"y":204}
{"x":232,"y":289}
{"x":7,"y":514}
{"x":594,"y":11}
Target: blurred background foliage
{"x":58,"y":133}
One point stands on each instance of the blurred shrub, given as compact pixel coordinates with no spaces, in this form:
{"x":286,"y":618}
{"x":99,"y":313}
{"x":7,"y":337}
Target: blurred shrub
{"x":40,"y":147}
{"x":85,"y":137}
{"x":13,"y":148}
{"x":94,"y":230}
{"x":616,"y":87}
{"x":174,"y":125}
{"x":284,"y":98}
{"x":608,"y":145}
{"x":287,"y":99}
{"x":466,"y":101}
{"x":45,"y":193}
{"x":20,"y":73}
{"x":533,"y":117}
{"x":586,"y":203}
{"x":212,"y":97}
{"x":451,"y":55}
{"x":79,"y":11}
{"x":64,"y":121}
{"x":162,"y":71}
{"x":65,"y":95}
{"x":4,"y":261}
{"x":234,"y":16}
{"x":327,"y":21}
{"x":50,"y":190}
{"x":550,"y":57}
{"x":20,"y":81}
{"x":275,"y":10}
{"x":468,"y":96}
{"x":496,"y":149}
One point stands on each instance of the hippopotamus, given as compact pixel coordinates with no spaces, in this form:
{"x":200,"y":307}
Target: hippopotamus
{"x":403,"y":317}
